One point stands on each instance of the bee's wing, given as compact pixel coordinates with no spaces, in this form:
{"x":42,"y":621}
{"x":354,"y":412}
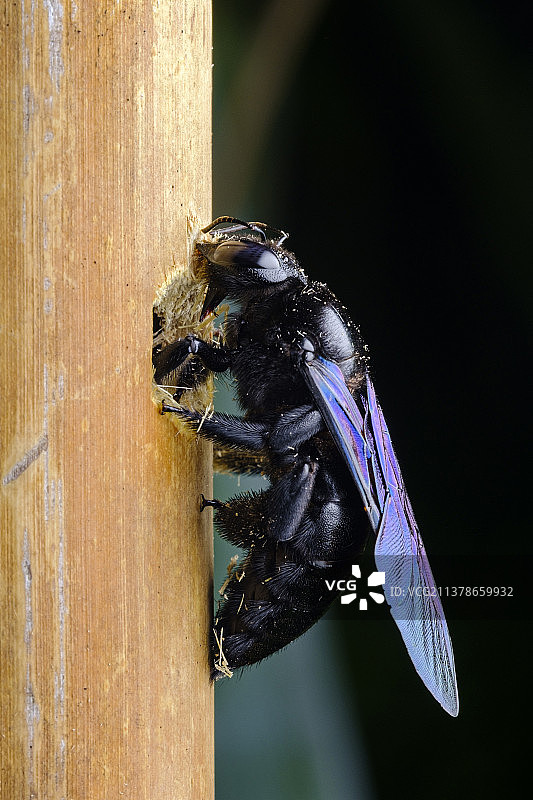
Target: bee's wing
{"x":362,"y":437}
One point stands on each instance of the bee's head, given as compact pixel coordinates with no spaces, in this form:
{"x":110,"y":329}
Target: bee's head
{"x":246,"y":266}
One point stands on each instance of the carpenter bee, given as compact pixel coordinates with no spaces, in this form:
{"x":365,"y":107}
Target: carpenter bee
{"x":312,"y":422}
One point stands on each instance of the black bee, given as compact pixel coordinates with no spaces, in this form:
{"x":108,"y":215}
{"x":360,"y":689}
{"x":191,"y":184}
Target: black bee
{"x":313,"y":426}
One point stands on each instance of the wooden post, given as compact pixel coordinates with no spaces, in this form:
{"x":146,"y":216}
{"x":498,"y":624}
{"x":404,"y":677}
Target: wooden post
{"x":105,"y":561}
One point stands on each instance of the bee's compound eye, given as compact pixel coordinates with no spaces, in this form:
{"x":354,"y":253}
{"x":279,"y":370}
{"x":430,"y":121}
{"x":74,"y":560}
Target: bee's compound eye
{"x":245,"y":254}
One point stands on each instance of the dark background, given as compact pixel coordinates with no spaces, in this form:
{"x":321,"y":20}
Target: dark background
{"x":393,"y":141}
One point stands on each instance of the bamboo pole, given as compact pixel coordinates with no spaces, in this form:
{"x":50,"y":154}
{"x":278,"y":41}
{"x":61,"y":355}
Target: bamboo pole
{"x":105,"y":561}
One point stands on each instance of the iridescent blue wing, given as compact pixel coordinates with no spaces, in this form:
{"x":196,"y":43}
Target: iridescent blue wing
{"x":362,"y":437}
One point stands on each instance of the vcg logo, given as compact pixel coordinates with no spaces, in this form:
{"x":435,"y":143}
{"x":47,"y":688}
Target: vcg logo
{"x":350,"y":586}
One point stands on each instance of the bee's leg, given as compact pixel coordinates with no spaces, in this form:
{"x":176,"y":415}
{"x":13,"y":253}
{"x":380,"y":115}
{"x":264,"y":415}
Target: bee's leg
{"x":241,"y":520}
{"x":294,"y":427}
{"x":289,"y":499}
{"x":215,"y":357}
{"x":225,"y":428}
{"x":228,"y":459}
{"x":283,"y":434}
{"x":191,"y":375}
{"x":204,"y":503}
{"x":274,"y":514}
{"x":169,"y":358}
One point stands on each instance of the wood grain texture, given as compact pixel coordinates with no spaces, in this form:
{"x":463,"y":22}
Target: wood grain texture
{"x":105,"y":173}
